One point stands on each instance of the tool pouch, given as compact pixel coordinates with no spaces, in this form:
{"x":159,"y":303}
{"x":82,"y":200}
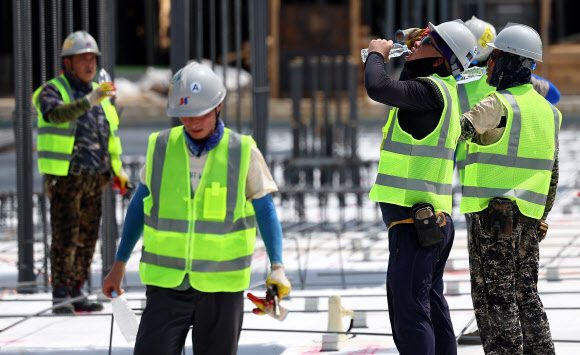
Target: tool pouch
{"x":500,"y":217}
{"x":426,"y":224}
{"x":542,"y":230}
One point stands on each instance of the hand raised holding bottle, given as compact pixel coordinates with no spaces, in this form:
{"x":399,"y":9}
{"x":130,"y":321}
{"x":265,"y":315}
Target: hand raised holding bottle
{"x":394,"y":50}
{"x":104,"y":90}
{"x":382,"y":46}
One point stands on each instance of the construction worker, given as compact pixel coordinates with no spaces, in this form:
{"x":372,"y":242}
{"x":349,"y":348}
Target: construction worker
{"x":202,"y":189}
{"x":472,"y":92}
{"x":413,"y":185}
{"x":78,"y":154}
{"x":510,"y":172}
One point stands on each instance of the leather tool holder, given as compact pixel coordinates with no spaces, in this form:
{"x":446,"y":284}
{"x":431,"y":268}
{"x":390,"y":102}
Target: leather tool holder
{"x":426,"y":224}
{"x":542,"y":230}
{"x":500,"y":217}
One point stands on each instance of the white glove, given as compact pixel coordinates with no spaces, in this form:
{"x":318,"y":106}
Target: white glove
{"x":104,"y":90}
{"x":278,"y":278}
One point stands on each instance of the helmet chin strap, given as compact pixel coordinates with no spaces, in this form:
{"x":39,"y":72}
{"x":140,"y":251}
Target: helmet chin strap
{"x":455,"y":68}
{"x":217,"y":117}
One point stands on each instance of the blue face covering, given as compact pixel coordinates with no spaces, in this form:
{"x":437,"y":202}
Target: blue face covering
{"x":199,"y":147}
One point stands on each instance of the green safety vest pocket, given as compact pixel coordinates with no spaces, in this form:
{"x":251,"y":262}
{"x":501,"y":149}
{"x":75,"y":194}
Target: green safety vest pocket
{"x":215,"y":202}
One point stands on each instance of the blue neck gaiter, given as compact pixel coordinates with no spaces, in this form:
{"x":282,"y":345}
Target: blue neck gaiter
{"x":199,"y":147}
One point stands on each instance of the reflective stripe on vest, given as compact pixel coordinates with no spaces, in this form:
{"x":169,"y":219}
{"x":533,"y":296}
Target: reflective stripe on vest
{"x":469,"y":95}
{"x":208,"y":274}
{"x":476,"y":197}
{"x":463,"y":98}
{"x":436,"y":192}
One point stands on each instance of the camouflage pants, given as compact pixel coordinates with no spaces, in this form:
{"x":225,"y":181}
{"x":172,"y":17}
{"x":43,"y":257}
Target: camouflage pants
{"x":75,"y":214}
{"x":504,"y":277}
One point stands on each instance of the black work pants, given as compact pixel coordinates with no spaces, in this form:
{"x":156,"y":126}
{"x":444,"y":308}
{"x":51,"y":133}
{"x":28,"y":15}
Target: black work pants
{"x":216,"y":319}
{"x":418,"y":311}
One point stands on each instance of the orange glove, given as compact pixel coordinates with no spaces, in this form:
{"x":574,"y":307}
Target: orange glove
{"x":122,"y":183}
{"x":266,"y":306}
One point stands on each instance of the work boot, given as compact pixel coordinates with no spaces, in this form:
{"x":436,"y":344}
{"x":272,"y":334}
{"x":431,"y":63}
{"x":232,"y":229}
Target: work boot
{"x":61,"y":294}
{"x":84,"y":305}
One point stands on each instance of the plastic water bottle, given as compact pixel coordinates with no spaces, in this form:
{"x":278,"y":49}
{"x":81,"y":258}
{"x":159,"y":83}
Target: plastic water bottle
{"x":105,"y":77}
{"x":470,"y":74}
{"x":397,"y":50}
{"x":125,"y":318}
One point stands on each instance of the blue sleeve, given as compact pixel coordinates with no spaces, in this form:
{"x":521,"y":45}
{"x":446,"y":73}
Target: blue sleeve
{"x":553,"y":95}
{"x":270,"y":228}
{"x":133,"y":226}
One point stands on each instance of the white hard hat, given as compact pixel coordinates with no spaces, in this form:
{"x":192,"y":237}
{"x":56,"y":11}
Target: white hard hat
{"x":461,"y":42}
{"x":195,"y":90}
{"x":79,"y":42}
{"x":519,"y":39}
{"x":484,"y":33}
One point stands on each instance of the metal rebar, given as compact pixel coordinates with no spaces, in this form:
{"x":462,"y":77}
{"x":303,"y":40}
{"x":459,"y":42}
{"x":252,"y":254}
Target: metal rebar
{"x":69,"y":19}
{"x":179,"y":49}
{"x":238,"y":45}
{"x":224,"y":39}
{"x":85,"y":14}
{"x":42,"y":40}
{"x":22,"y":118}
{"x":111,"y":334}
{"x":212,"y":33}
{"x":258,"y":17}
{"x":44,"y":212}
{"x":55,"y":38}
{"x":199,"y":30}
{"x":314,"y":69}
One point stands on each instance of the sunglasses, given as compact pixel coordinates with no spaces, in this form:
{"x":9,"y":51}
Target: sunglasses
{"x":429,"y":40}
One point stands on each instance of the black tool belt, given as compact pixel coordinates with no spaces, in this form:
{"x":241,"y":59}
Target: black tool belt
{"x":501,"y":217}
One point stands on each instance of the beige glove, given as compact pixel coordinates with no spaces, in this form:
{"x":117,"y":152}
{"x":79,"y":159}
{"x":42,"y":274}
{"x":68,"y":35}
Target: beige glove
{"x":278,"y":278}
{"x":103,"y":91}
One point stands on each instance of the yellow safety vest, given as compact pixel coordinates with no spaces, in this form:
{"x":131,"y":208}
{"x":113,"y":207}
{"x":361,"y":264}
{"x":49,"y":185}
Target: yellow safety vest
{"x":211,"y":236}
{"x":519,"y":165}
{"x":469,"y":94}
{"x":55,"y":142}
{"x":420,"y":170}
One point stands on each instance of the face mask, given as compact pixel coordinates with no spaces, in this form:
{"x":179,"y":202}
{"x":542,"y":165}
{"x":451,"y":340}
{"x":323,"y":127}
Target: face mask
{"x":509,"y":72}
{"x":424,"y":67}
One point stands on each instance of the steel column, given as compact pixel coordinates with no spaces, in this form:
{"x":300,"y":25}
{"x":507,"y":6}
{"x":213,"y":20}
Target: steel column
{"x":23,"y":142}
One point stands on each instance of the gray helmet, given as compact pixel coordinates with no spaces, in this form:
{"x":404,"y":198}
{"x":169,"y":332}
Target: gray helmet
{"x":461,"y":42}
{"x":484,"y":33}
{"x":195,"y":90}
{"x":519,"y":39}
{"x":79,"y":42}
